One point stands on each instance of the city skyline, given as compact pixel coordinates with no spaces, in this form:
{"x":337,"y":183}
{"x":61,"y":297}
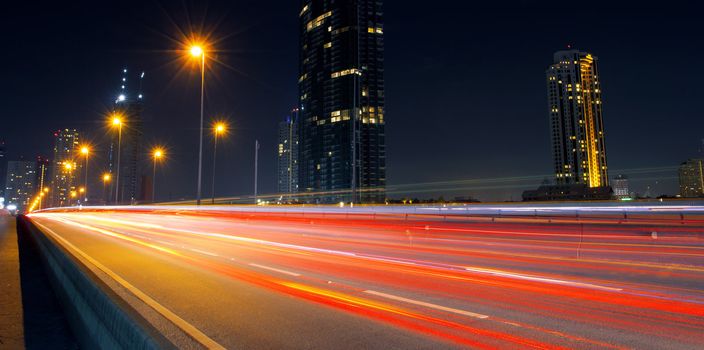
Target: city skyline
{"x":471,"y":128}
{"x":351,"y":174}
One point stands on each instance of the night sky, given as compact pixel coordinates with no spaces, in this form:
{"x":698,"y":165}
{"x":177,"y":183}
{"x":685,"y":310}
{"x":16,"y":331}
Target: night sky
{"x":465,"y":86}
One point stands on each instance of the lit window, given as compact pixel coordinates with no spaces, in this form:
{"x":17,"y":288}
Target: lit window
{"x":346,"y":72}
{"x":305,"y":8}
{"x":318,"y":21}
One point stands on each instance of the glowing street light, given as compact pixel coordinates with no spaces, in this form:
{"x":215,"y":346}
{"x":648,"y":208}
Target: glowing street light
{"x":117,"y":122}
{"x":219,"y":128}
{"x":157,"y":154}
{"x":197,"y":51}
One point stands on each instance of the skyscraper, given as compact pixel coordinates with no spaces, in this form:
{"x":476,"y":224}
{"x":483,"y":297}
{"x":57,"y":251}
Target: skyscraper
{"x":341,"y":100}
{"x":20,"y":183}
{"x":577,"y":128}
{"x":287,"y":155}
{"x":43,"y":167}
{"x":129,"y":104}
{"x":3,"y":167}
{"x":620,"y":186}
{"x":65,"y":168}
{"x":691,"y":174}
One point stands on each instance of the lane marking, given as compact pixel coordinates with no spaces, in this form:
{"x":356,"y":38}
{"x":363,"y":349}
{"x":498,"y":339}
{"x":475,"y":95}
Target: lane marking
{"x":275,"y":270}
{"x":186,"y":327}
{"x":540,"y":279}
{"x":422,"y":303}
{"x":203,"y":252}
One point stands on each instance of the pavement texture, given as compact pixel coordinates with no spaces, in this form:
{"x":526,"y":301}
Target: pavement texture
{"x":30,"y":315}
{"x":255,"y":281}
{"x":11,"y":320}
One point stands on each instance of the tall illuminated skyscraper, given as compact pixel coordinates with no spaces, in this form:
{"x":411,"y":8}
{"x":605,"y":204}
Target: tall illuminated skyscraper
{"x":129,"y":102}
{"x":577,"y":128}
{"x":287,"y":155}
{"x":341,"y":100}
{"x":3,"y":168}
{"x":65,"y":167}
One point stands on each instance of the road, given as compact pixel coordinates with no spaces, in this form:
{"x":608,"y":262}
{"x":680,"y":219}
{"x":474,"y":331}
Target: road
{"x":351,"y":281}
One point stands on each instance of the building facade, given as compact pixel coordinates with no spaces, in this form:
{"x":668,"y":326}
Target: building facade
{"x":287,"y":156}
{"x":20,"y":183}
{"x":129,"y":105}
{"x":65,"y":168}
{"x":691,"y":174}
{"x":342,"y":152}
{"x":3,"y":168}
{"x":620,"y":186}
{"x":43,"y":171}
{"x":577,"y":128}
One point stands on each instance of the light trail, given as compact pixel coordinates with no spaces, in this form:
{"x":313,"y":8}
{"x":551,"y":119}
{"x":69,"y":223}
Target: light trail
{"x":532,"y":284}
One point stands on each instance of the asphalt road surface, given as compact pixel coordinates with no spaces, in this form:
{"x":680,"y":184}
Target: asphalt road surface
{"x":342,"y":281}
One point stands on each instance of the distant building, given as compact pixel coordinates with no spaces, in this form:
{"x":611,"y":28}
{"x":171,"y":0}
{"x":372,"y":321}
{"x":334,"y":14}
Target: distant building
{"x":129,"y":102}
{"x":342,"y":151}
{"x":577,"y":129}
{"x":64,"y":167}
{"x":3,"y":168}
{"x":620,"y":186}
{"x":572,"y":192}
{"x":43,"y":171}
{"x":691,"y":177}
{"x":287,"y":155}
{"x":20,"y":183}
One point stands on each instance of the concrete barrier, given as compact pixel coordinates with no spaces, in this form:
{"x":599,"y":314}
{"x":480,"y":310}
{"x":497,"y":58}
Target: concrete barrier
{"x":99,"y":318}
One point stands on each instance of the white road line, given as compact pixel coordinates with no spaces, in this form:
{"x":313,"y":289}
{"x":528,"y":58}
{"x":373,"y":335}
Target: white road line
{"x":188,"y":328}
{"x":203,"y":252}
{"x":422,"y":303}
{"x":540,"y":279}
{"x":275,"y":270}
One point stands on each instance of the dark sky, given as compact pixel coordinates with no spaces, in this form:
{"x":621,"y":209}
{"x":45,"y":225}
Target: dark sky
{"x":465,"y":85}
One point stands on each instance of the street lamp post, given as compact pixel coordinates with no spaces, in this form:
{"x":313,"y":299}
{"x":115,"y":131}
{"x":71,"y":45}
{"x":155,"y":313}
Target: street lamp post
{"x":85,"y":151}
{"x":116,"y":121}
{"x":157,"y":154}
{"x":198,"y":51}
{"x":220,"y":128}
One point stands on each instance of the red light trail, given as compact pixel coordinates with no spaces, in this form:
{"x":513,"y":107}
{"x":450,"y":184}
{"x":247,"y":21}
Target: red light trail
{"x":542,"y":282}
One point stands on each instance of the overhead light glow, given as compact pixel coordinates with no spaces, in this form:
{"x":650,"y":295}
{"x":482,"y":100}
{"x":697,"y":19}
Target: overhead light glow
{"x":196,"y":51}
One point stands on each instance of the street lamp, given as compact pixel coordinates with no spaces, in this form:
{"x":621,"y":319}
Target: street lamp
{"x":157,"y":154}
{"x":218,"y":129}
{"x":117,"y":122}
{"x":198,"y":52}
{"x":85,"y":151}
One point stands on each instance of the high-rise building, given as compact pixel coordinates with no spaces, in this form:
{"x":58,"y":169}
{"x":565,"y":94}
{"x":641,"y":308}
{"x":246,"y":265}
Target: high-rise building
{"x":287,"y":155}
{"x":577,"y":128}
{"x":65,"y":167}
{"x":3,"y":168}
{"x":20,"y":183}
{"x":620,"y":186}
{"x":129,"y":104}
{"x":341,"y":100}
{"x":43,"y":170}
{"x":691,"y":175}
